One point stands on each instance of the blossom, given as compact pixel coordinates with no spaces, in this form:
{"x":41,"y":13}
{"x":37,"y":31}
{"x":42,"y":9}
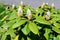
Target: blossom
{"x":47,"y":16}
{"x":22,"y":3}
{"x":20,"y":12}
{"x":43,"y":5}
{"x":52,"y":5}
{"x":29,"y":14}
{"x":13,"y":6}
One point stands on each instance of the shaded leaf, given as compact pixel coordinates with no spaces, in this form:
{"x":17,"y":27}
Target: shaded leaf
{"x":47,"y":31}
{"x":56,"y":29}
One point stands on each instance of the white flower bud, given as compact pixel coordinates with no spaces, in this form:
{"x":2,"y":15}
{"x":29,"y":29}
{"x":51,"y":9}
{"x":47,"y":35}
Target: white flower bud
{"x":43,"y":5}
{"x":52,"y":5}
{"x":29,"y":14}
{"x":47,"y":16}
{"x":13,"y":6}
{"x":22,"y":3}
{"x":20,"y":12}
{"x":47,"y":3}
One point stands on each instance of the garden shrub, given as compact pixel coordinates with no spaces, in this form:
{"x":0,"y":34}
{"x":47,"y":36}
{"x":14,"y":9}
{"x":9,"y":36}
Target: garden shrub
{"x":26,"y":23}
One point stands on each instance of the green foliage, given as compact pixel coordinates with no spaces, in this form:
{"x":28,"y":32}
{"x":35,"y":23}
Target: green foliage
{"x":41,"y":24}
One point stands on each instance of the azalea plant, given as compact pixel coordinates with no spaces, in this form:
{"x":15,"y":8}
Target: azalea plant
{"x":25,"y":23}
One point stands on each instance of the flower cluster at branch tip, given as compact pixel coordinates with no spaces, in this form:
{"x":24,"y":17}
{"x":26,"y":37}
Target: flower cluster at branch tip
{"x":29,"y":14}
{"x":47,"y":16}
{"x":20,"y":12}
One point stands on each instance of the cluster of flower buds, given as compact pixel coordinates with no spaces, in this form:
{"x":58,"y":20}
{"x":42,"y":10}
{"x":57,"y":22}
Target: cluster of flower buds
{"x":22,"y":4}
{"x":47,"y":15}
{"x":13,"y":6}
{"x":20,"y":12}
{"x":29,"y":14}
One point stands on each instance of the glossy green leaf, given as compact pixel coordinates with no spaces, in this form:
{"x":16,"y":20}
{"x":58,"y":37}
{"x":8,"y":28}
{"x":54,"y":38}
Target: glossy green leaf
{"x":3,"y":37}
{"x":42,"y":20}
{"x":9,"y":24}
{"x":18,"y":23}
{"x":28,"y":38}
{"x":57,"y":25}
{"x":47,"y":31}
{"x":57,"y":30}
{"x":13,"y":15}
{"x":26,"y":29}
{"x":33,"y":27}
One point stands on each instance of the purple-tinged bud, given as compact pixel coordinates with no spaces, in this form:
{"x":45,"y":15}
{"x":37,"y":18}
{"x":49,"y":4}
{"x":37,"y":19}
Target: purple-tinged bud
{"x":47,"y":16}
{"x":29,"y":14}
{"x":20,"y":12}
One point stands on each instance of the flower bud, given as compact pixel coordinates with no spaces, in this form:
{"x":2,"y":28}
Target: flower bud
{"x":13,"y":6}
{"x":29,"y":14}
{"x":46,"y":3}
{"x":52,"y":5}
{"x":22,"y":4}
{"x":47,"y":16}
{"x":20,"y":12}
{"x":43,"y":5}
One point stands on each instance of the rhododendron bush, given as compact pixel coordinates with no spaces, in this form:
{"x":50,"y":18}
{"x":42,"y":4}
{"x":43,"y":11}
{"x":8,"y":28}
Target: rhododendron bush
{"x":26,"y":23}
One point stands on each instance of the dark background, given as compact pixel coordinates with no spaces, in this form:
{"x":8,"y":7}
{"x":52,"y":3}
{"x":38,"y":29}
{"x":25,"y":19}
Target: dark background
{"x":33,"y":3}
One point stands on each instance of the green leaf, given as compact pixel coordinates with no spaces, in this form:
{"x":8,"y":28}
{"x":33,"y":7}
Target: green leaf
{"x":42,"y":20}
{"x":16,"y":38}
{"x":57,"y":25}
{"x":9,"y":24}
{"x":5,"y":17}
{"x":18,"y":23}
{"x":40,"y":11}
{"x":2,"y":14}
{"x":58,"y":37}
{"x":28,"y":38}
{"x":33,"y":27}
{"x":3,"y":37}
{"x":2,"y":9}
{"x":47,"y":31}
{"x":22,"y":38}
{"x":11,"y":33}
{"x":13,"y":15}
{"x":26,"y":30}
{"x":56,"y":29}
